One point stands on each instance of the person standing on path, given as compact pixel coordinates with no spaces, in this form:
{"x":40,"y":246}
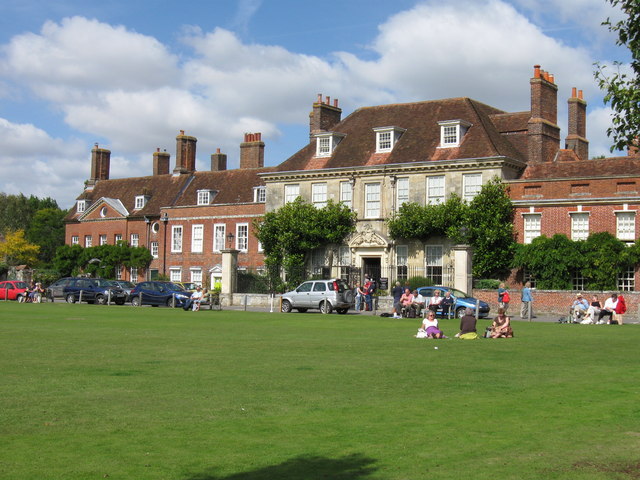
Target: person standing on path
{"x":527,"y":299}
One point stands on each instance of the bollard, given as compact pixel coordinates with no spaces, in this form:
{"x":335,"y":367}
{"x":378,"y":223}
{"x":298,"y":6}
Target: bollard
{"x":245,"y":303}
{"x":140,"y":297}
{"x":529,"y":309}
{"x":477,"y":310}
{"x":80,"y":298}
{"x":324,"y":310}
{"x":108,"y":297}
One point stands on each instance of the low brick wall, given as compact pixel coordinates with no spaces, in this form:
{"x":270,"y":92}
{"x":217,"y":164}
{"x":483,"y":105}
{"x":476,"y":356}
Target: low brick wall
{"x":556,"y":302}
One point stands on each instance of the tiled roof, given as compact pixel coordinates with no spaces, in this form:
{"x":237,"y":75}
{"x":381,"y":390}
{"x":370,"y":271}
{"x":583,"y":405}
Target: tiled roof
{"x":567,"y":166}
{"x":421,"y":139}
{"x":233,"y":186}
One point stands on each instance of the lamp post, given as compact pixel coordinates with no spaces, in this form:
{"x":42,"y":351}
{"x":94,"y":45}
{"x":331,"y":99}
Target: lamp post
{"x":230,"y":237}
{"x":164,"y":219}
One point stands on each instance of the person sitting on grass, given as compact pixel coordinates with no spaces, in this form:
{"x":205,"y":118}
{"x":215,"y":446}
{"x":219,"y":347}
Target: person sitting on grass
{"x":579,"y":308}
{"x":430,"y":326}
{"x":501,"y":326}
{"x":468,"y":326}
{"x":592,"y":311}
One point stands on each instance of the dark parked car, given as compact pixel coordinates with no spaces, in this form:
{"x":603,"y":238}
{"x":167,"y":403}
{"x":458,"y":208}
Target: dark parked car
{"x":158,"y":293}
{"x":94,"y":290}
{"x":461,"y":301}
{"x":125,"y":285}
{"x":56,"y":289}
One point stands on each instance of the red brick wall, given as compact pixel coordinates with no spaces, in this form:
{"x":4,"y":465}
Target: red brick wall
{"x":556,"y":302}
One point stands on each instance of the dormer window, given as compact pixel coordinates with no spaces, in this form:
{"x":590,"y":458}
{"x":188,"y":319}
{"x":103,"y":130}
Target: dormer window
{"x":386,"y":138}
{"x":204,"y":197}
{"x":81,"y":206}
{"x":260,"y":194}
{"x":452,"y":131}
{"x":141,"y":201}
{"x":326,"y":143}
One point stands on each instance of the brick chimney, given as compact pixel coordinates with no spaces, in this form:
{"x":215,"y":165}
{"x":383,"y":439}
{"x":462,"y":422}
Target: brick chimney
{"x":577,"y":134}
{"x":218,"y":161}
{"x":185,"y":154}
{"x":100,"y":164}
{"x":324,"y":116}
{"x":543,"y":132}
{"x":161,"y":162}
{"x":252,"y":151}
{"x":633,"y":150}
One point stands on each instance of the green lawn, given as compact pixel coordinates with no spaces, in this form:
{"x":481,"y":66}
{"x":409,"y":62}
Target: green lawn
{"x":91,"y":392}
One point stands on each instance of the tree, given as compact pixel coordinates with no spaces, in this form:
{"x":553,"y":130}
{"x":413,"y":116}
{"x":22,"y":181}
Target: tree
{"x":490,"y":223}
{"x":16,"y":211}
{"x":99,"y":261}
{"x":16,"y":250}
{"x":622,"y":90}
{"x":46,"y":229}
{"x":289,"y":234}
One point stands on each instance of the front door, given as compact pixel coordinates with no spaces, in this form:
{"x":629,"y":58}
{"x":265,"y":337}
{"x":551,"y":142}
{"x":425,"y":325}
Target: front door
{"x":371,"y":267}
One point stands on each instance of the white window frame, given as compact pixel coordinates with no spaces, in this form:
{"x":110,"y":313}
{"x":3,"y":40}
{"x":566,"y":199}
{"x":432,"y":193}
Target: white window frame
{"x":141,"y":201}
{"x":372,"y":200}
{"x":326,"y":143}
{"x":103,"y":239}
{"x":627,"y":280}
{"x":81,"y":206}
{"x":117,"y":238}
{"x":579,"y":225}
{"x":319,"y":194}
{"x":626,"y":225}
{"x":346,"y":193}
{"x":291,"y":192}
{"x":154,"y":249}
{"x":75,"y":240}
{"x":175,"y":274}
{"x":196,"y":275}
{"x":436,"y":193}
{"x":402,"y":191}
{"x":88,"y":241}
{"x":176,"y":238}
{"x":135,"y":240}
{"x":219,"y":236}
{"x":434,"y":263}
{"x":344,"y":255}
{"x":260,"y":194}
{"x":471,"y":185}
{"x":197,"y":238}
{"x":204,"y":197}
{"x":119,"y":272}
{"x":402,"y":262}
{"x":133,"y":274}
{"x":452,"y":132}
{"x":532,"y":226}
{"x":242,"y":237}
{"x":387,"y":137}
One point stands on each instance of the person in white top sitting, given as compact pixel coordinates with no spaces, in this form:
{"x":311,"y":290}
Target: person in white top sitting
{"x":609,"y":308}
{"x":435,"y":301}
{"x":195,"y":300}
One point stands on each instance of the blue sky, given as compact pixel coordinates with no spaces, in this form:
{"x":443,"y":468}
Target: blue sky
{"x":129,"y":75}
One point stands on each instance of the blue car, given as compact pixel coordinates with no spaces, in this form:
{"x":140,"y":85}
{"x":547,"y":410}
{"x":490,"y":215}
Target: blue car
{"x":461,"y":301}
{"x":158,"y":293}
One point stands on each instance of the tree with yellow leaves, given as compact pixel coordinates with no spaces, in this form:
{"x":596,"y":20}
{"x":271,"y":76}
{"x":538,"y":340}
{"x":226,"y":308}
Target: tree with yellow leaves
{"x":16,"y":250}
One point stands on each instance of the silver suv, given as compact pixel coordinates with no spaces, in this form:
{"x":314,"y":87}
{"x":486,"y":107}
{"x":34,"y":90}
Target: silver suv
{"x":325,"y":295}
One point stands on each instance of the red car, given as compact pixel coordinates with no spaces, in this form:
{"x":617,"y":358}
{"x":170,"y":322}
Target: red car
{"x":12,"y":289}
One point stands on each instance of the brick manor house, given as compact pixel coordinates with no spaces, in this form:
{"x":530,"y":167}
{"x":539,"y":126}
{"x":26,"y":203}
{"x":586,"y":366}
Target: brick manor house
{"x":374,"y":160}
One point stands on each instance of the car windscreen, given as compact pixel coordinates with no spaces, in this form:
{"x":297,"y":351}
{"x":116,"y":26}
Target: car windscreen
{"x":20,"y":285}
{"x":458,"y":294}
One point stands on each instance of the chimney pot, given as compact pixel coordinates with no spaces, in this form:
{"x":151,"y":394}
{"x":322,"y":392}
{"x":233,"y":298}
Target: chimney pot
{"x":574,"y":92}
{"x":580,"y":95}
{"x":328,"y":100}
{"x":335,"y":102}
{"x":536,"y":71}
{"x":319,"y":98}
{"x":551,"y":78}
{"x":181,"y":132}
{"x":217,"y":150}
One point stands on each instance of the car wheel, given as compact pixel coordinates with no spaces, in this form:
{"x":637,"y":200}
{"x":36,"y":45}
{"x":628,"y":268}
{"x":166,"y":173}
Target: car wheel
{"x":135,"y":301}
{"x":325,"y":307}
{"x":171,"y":302}
{"x":460,"y":312}
{"x":100,"y":299}
{"x":342,"y":311}
{"x":71,"y":298}
{"x":302,"y":310}
{"x":286,"y":306}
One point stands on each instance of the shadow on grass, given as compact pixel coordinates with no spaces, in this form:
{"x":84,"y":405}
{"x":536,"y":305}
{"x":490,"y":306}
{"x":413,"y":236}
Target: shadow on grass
{"x":351,"y":467}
